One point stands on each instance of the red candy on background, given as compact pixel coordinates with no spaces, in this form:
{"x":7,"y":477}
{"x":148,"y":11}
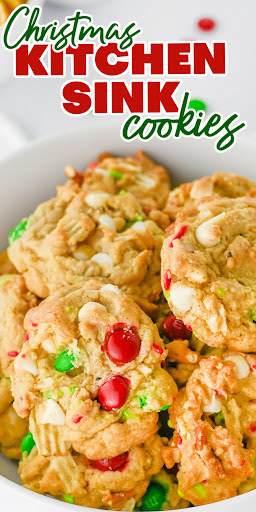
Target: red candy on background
{"x":122,"y":344}
{"x":115,"y":464}
{"x":206,"y":24}
{"x":175,"y":328}
{"x":113,"y":393}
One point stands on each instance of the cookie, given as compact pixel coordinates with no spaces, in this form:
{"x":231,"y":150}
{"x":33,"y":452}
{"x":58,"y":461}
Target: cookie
{"x":81,"y":234}
{"x":208,"y":272}
{"x":15,"y":301}
{"x":214,"y":426}
{"x":90,"y":373}
{"x":220,"y":184}
{"x":115,"y":484}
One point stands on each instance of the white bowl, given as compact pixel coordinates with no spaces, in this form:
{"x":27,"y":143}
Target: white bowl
{"x":6,"y":56}
{"x":30,"y":176}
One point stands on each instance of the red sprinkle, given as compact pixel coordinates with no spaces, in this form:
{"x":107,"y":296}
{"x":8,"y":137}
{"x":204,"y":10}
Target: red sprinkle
{"x":77,"y":418}
{"x":180,"y":233}
{"x":243,"y":462}
{"x":26,"y":337}
{"x":204,"y":481}
{"x":158,"y":349}
{"x":23,"y":356}
{"x":93,"y":164}
{"x":206,"y":24}
{"x":188,"y":327}
{"x":167,"y":280}
{"x":219,"y":393}
{"x":253,"y":427}
{"x":254,"y":366}
{"x":13,"y":353}
{"x":179,"y":441}
{"x":34,"y":324}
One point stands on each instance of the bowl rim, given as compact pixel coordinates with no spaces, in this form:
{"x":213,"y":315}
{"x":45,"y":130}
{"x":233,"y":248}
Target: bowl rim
{"x":55,"y":504}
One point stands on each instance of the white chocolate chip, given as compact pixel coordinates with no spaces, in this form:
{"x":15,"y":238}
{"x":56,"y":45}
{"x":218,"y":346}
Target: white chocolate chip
{"x":26,"y":364}
{"x":111,"y":288}
{"x":217,"y":321}
{"x":105,"y":220}
{"x":202,"y":188}
{"x":242,"y":369}
{"x":206,"y":233}
{"x":96,"y":199}
{"x":48,"y":346}
{"x":145,"y":369}
{"x":103,"y":172}
{"x":182,"y":297}
{"x":104,"y":261}
{"x":214,"y":405}
{"x":53,"y":414}
{"x":139,"y":226}
{"x":89,"y":307}
{"x":145,"y":181}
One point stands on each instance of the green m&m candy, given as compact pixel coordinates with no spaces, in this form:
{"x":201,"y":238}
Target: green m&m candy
{"x":18,"y":231}
{"x":27,"y":443}
{"x":197,"y":105}
{"x":115,"y":174}
{"x":69,"y":499}
{"x":64,"y":362}
{"x":154,"y":497}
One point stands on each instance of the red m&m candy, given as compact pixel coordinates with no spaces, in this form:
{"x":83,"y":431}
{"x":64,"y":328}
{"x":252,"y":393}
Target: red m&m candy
{"x":113,"y":393}
{"x":115,"y":464}
{"x":206,"y":24}
{"x":122,"y":344}
{"x":175,"y":328}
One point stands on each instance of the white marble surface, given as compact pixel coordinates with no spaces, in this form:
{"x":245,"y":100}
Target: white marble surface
{"x":35,"y":103}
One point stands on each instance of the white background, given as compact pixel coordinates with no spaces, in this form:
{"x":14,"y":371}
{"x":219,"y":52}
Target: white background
{"x":35,"y":103}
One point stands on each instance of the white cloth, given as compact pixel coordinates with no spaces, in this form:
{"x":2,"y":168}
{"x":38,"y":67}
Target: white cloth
{"x":11,"y":136}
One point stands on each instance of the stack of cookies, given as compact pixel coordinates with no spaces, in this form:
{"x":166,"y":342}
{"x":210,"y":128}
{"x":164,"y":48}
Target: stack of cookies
{"x":114,"y":394}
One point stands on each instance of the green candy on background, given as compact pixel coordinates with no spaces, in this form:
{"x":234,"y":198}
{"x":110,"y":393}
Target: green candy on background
{"x":64,"y":362}
{"x":27,"y":443}
{"x":197,"y":105}
{"x":154,"y":497}
{"x":18,"y":231}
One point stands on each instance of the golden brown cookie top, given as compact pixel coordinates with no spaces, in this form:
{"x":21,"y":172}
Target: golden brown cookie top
{"x":15,"y":301}
{"x":146,"y":180}
{"x":220,"y":184}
